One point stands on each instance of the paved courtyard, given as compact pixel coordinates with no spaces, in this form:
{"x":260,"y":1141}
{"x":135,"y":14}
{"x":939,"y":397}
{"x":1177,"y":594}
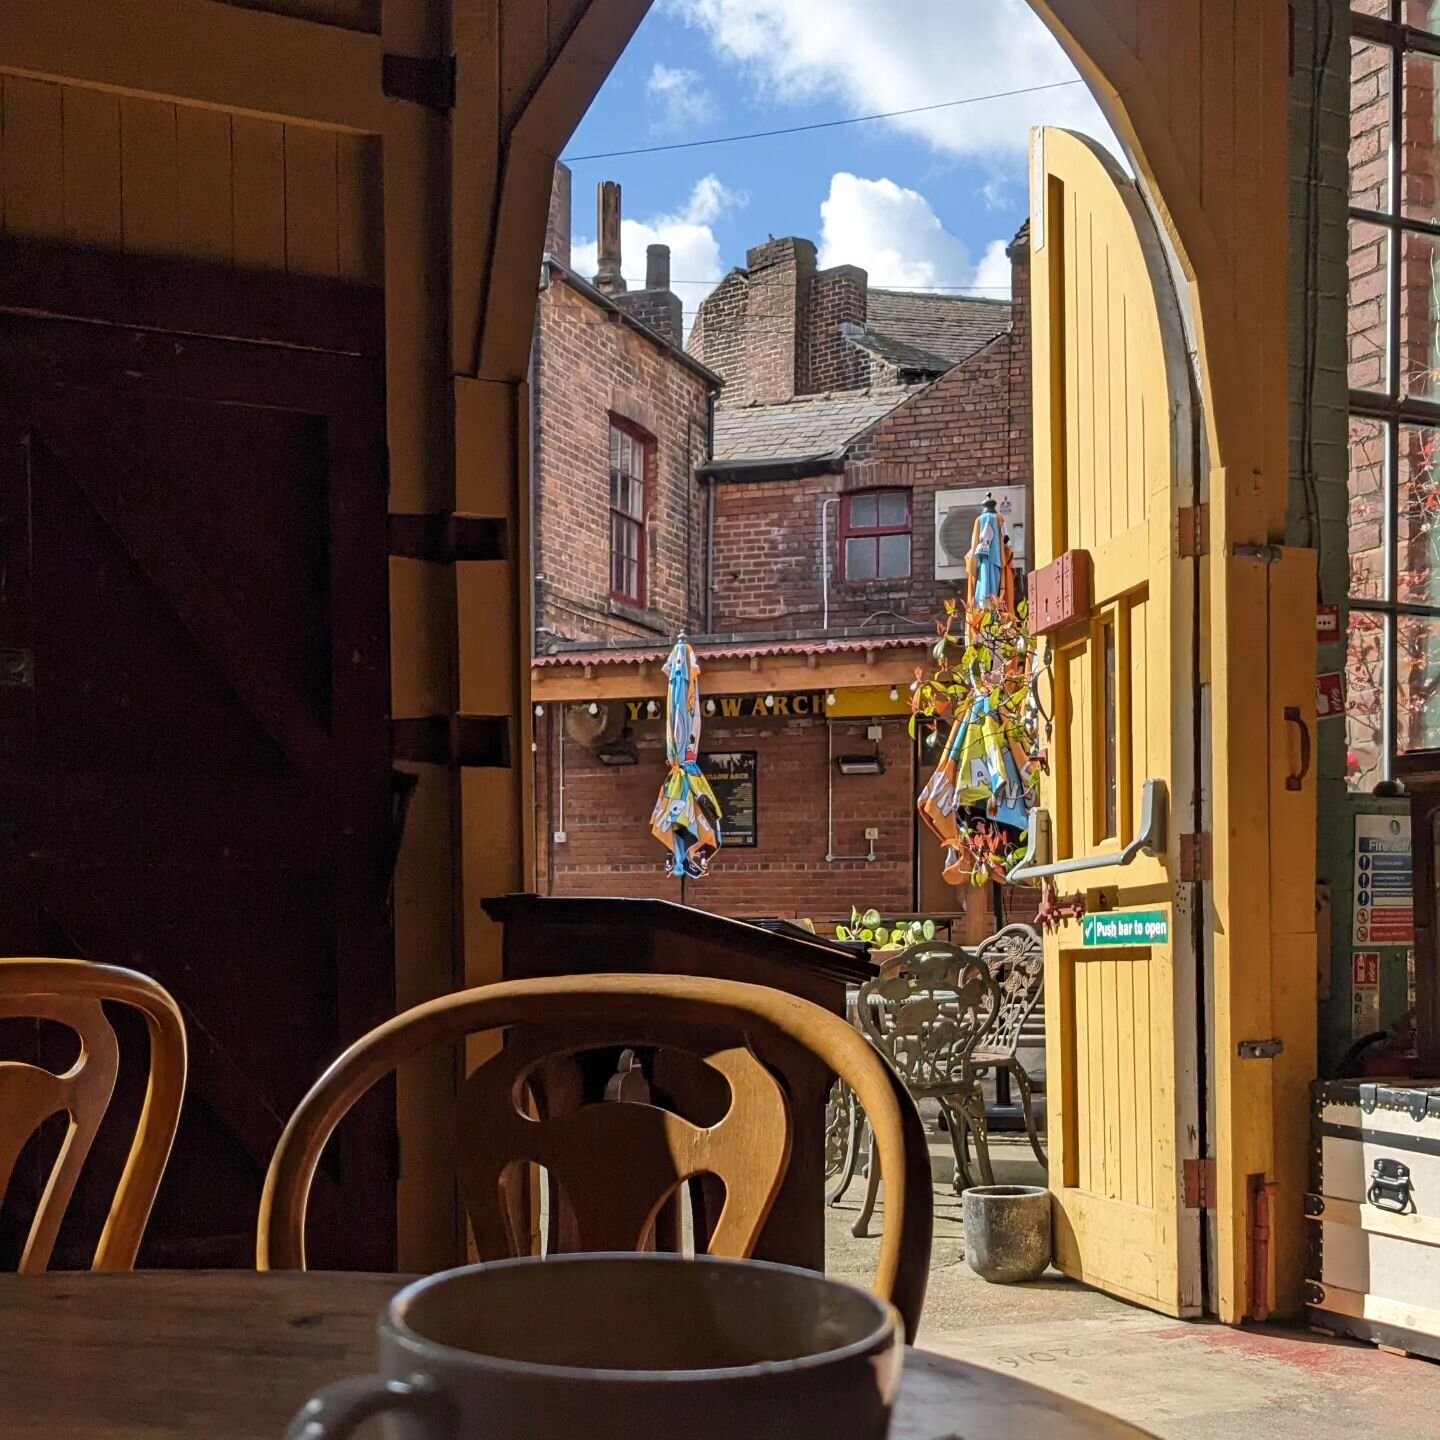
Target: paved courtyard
{"x":1179,"y":1380}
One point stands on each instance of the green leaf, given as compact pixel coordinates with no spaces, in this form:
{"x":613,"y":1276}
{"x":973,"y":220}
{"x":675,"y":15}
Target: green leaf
{"x":867,"y":935}
{"x":928,"y":930}
{"x":842,"y":932}
{"x":870,"y":918}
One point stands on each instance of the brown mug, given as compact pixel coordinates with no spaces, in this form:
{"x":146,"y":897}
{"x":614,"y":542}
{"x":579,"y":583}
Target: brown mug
{"x":624,"y":1347}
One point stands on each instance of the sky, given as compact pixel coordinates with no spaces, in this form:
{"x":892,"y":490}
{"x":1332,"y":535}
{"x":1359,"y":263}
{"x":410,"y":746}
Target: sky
{"x":920,"y":201}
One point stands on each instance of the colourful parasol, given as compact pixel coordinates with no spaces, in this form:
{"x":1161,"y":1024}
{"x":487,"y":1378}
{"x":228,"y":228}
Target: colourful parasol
{"x":686,"y":819}
{"x":979,"y":799}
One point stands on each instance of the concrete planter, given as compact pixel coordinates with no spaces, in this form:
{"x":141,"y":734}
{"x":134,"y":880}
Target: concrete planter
{"x":1007,"y":1232}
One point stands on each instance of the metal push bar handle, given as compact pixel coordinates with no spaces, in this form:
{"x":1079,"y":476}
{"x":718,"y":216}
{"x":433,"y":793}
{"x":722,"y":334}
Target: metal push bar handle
{"x":1150,"y":841}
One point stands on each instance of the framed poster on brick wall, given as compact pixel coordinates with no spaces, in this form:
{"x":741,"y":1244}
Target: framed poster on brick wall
{"x":732,"y":776}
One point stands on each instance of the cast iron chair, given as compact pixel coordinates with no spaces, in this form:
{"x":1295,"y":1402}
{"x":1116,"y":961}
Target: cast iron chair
{"x":619,"y":1164}
{"x":926,"y":1012}
{"x":70,"y":993}
{"x":1016,"y":958}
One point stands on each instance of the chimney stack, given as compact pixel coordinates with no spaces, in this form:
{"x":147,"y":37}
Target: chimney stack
{"x":657,"y":267}
{"x":609,"y":278}
{"x":557,"y":227}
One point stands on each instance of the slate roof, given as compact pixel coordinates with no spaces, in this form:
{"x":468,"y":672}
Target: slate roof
{"x":807,"y":425}
{"x":952,"y":327}
{"x":909,"y":359}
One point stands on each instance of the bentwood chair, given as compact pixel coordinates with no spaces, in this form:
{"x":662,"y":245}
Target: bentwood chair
{"x":619,"y":1163}
{"x":72,"y":993}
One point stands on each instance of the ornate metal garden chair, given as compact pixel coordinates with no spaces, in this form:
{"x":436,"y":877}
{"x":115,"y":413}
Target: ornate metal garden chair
{"x":926,"y":1012}
{"x":1016,"y":958}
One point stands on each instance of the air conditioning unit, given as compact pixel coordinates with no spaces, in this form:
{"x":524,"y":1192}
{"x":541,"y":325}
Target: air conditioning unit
{"x":955,"y":512}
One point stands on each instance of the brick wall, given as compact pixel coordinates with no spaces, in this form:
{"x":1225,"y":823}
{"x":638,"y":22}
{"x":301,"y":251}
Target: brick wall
{"x":717,"y":338}
{"x":591,"y":365}
{"x":838,"y":297}
{"x":776,"y":319}
{"x":969,"y":428}
{"x":773,"y":330}
{"x":661,"y":310}
{"x":610,"y":851}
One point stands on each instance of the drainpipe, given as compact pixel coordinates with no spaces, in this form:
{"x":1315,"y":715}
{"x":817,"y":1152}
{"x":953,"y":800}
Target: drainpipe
{"x":710,"y":518}
{"x":825,"y":561}
{"x":830,"y":855}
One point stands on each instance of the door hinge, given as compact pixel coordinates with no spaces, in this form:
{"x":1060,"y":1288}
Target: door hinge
{"x":1199,"y":1178}
{"x":1195,"y":858}
{"x":424,"y":79}
{"x":1194,"y":536}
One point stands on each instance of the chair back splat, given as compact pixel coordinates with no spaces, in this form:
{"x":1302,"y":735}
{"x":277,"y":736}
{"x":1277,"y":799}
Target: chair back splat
{"x":70,"y":993}
{"x":617,"y":1164}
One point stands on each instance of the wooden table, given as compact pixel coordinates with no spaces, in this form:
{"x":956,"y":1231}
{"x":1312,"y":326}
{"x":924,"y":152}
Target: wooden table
{"x":231,"y":1355}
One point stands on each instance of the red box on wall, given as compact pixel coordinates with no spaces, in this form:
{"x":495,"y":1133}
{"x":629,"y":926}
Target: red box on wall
{"x":1060,"y":593}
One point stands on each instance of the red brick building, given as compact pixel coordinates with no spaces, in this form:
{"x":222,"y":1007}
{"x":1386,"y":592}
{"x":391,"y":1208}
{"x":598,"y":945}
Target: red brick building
{"x":805,"y":532}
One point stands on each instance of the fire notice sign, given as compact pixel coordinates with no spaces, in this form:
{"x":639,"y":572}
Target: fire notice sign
{"x":1384,"y":894}
{"x":1364,"y":993}
{"x":732,"y":778}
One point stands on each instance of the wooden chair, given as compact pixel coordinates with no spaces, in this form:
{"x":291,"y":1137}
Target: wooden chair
{"x":71,"y":992}
{"x":926,"y":1012}
{"x":619,"y":1164}
{"x":1016,"y":958}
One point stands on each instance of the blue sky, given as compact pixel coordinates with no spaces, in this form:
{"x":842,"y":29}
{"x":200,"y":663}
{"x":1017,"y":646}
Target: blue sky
{"x":924,"y":201}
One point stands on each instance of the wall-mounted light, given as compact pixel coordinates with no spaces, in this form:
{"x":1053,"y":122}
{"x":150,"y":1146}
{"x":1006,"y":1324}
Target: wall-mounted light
{"x":894,"y":693}
{"x":769,"y":702}
{"x":539,"y":711}
{"x":620,"y":753}
{"x":830,"y":698}
{"x":709,"y":707}
{"x":594,"y":708}
{"x":860,"y":764}
{"x":651,"y":708}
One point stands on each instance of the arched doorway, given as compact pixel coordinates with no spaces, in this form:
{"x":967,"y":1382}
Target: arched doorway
{"x":1202,"y":110}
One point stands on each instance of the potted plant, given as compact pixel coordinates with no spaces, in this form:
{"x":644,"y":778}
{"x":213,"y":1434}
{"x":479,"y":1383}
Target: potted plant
{"x":887,"y":938}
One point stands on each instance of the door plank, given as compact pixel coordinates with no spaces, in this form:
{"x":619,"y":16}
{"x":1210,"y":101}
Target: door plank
{"x":205,"y":611}
{"x":91,"y":121}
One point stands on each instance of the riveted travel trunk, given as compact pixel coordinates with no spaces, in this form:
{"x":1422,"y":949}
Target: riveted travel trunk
{"x":1374,"y":1209}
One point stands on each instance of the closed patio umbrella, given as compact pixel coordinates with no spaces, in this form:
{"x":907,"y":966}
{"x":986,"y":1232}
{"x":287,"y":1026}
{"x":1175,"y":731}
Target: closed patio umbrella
{"x":686,"y":818}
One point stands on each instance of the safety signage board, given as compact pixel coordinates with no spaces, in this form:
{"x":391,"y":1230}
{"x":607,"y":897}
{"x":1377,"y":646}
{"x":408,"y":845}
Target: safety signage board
{"x":1364,"y":993}
{"x":1126,"y":927}
{"x":1384,"y":891}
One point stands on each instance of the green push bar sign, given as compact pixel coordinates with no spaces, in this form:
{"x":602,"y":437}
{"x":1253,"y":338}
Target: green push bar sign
{"x":1127,"y":927}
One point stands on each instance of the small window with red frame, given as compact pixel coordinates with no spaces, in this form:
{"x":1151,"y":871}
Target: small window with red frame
{"x":631,"y":456}
{"x":875,"y":535}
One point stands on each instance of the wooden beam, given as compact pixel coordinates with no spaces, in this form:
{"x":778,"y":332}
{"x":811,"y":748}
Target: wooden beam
{"x":550,"y":683}
{"x":222,"y":57}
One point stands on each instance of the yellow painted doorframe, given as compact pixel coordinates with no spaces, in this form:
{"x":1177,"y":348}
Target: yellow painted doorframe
{"x":1198,"y":92}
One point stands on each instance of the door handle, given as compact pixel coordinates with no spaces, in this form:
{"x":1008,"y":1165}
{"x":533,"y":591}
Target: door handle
{"x":1293,"y":717}
{"x":1150,"y":841}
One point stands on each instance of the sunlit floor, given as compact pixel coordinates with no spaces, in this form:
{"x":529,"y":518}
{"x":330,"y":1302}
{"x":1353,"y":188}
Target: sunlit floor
{"x":1180,"y":1381}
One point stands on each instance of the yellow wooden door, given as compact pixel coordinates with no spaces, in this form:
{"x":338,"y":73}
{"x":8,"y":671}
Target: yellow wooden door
{"x":1114,"y":478}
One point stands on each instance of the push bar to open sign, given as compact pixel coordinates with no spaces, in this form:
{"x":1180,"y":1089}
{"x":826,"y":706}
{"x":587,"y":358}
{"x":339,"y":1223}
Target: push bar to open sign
{"x":1150,"y":841}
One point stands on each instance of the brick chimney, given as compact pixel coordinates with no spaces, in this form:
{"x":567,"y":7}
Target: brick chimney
{"x":655,"y":305}
{"x":557,"y":227}
{"x":609,"y":277}
{"x":780,"y":276}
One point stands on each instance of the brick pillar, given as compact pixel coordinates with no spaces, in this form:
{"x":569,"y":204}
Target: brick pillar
{"x":781,"y":273}
{"x":557,"y":227}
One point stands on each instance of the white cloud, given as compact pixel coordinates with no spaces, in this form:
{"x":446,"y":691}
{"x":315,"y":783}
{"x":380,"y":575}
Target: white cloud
{"x":895,"y":235}
{"x":679,"y":99}
{"x":942,"y":50}
{"x":695,"y":266}
{"x":992,"y":274}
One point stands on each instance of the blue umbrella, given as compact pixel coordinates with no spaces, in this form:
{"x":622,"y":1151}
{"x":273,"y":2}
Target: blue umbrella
{"x":686,"y":818}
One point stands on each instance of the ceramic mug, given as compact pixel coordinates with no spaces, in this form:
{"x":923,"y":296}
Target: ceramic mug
{"x":624,"y":1347}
